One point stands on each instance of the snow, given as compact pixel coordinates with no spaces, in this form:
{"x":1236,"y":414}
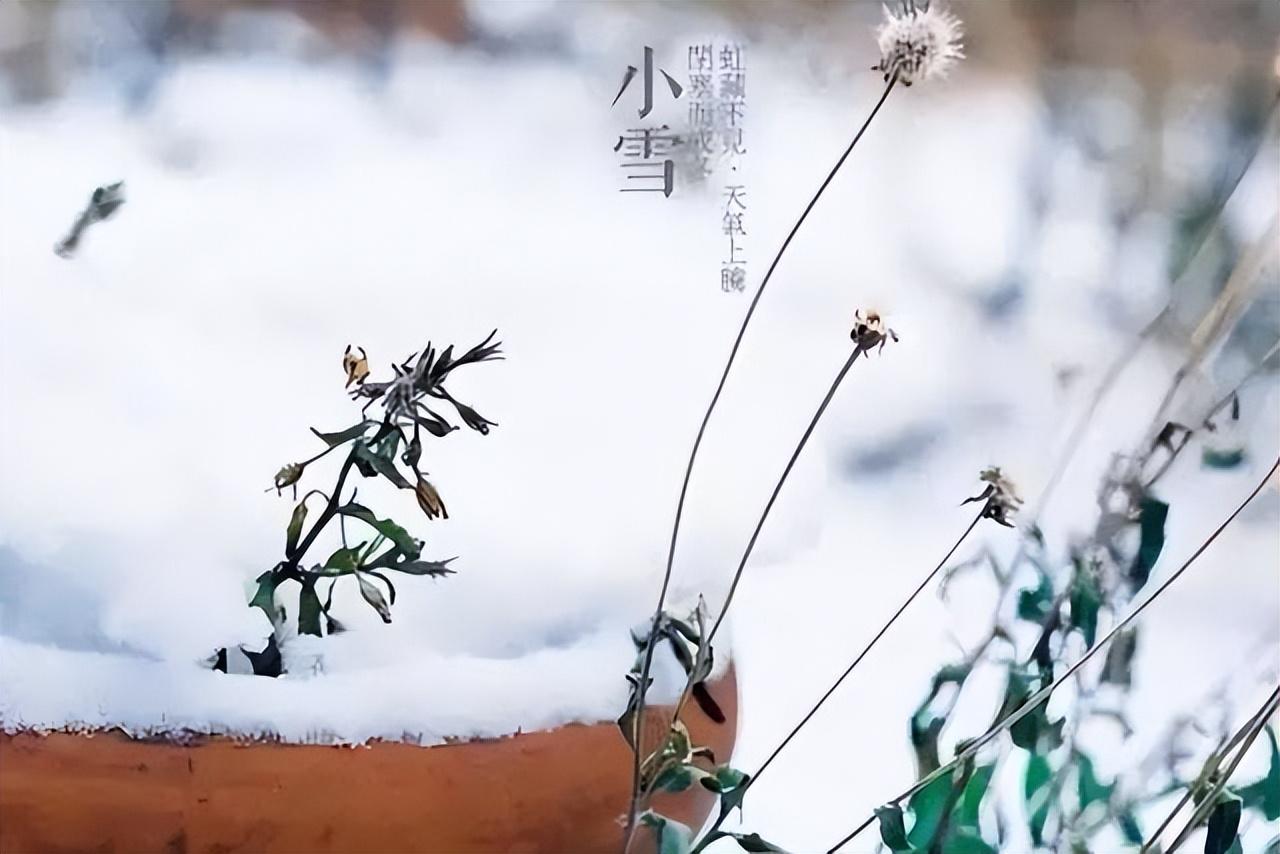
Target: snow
{"x":279,"y":211}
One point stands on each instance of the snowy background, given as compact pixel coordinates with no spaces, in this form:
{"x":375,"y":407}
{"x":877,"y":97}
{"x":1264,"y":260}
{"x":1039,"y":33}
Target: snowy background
{"x":287,"y":198}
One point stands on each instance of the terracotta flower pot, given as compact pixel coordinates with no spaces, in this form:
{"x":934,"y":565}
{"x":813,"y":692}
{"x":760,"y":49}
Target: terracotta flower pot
{"x":558,"y":791}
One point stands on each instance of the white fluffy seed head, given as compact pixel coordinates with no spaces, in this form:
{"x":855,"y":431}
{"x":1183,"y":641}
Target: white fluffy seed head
{"x":918,"y":44}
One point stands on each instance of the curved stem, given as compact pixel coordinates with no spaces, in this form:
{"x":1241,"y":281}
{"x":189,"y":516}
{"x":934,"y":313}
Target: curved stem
{"x":764,"y":514}
{"x":693,"y":454}
{"x":1034,"y":701}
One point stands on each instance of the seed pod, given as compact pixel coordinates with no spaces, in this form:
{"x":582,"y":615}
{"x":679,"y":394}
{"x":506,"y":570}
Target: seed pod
{"x":356,"y":367}
{"x":429,"y":500}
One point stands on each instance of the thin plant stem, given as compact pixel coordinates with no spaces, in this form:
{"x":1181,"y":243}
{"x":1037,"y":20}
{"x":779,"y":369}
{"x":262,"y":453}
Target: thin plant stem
{"x":1252,"y":729}
{"x":856,"y":661}
{"x":858,"y":350}
{"x":1211,"y":767}
{"x":1034,"y":701}
{"x":647,"y":663}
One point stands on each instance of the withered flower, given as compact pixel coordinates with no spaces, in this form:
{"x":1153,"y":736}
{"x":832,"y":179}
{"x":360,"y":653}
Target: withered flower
{"x":356,"y":367}
{"x":918,"y":44}
{"x":869,"y":330}
{"x":429,"y":500}
{"x":1001,"y":497}
{"x":288,"y":476}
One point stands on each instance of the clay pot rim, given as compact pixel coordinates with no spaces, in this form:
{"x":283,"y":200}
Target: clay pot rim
{"x":197,"y":738}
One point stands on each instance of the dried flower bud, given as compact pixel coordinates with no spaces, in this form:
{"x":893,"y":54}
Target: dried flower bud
{"x":1001,"y":497}
{"x":356,"y":367}
{"x":869,"y":330}
{"x":429,"y":500}
{"x":288,"y":476}
{"x":918,"y":44}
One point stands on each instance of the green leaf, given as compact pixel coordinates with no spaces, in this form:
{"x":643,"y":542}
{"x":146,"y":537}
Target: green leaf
{"x":332,"y":439}
{"x":925,"y":731}
{"x":343,"y":561}
{"x":672,"y":836}
{"x":1152,"y":514}
{"x":753,"y":843}
{"x":410,"y":547}
{"x":382,"y":465}
{"x":265,"y":596}
{"x":373,"y":596}
{"x":1037,"y":794}
{"x":437,"y":427}
{"x":892,"y":829}
{"x":1088,"y":788}
{"x":1265,"y":793}
{"x":1224,"y":822}
{"x":927,"y":806}
{"x":423,"y":567}
{"x":676,"y":778}
{"x":294,"y":530}
{"x":965,"y":841}
{"x":1130,"y":828}
{"x":309,"y":610}
{"x":1086,"y":599}
{"x":1034,"y":604}
{"x":1214,"y":458}
{"x":971,"y":799}
{"x":725,"y":779}
{"x":732,"y":786}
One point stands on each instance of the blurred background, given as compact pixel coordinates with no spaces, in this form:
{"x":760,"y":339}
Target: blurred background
{"x":305,"y":175}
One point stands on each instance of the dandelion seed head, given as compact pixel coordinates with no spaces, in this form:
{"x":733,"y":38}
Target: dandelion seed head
{"x":919,"y":44}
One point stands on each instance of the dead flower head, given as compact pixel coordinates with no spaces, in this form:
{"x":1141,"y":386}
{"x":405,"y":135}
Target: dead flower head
{"x":429,"y":499}
{"x":356,"y":367}
{"x":869,"y":330}
{"x":918,"y":44}
{"x":288,"y":476}
{"x":1001,"y":497}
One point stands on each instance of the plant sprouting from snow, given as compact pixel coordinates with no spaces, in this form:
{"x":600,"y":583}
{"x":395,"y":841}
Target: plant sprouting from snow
{"x":918,"y":44}
{"x":389,"y":448}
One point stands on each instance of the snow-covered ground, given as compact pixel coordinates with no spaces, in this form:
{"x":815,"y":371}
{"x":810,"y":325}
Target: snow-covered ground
{"x":150,"y":387}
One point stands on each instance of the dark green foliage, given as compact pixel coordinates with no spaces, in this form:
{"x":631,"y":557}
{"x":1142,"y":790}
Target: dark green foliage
{"x":672,"y":836}
{"x":892,"y":829}
{"x":1224,"y":823}
{"x":1034,"y":603}
{"x":1088,"y":789}
{"x":1152,"y":514}
{"x":1037,"y":789}
{"x":1086,"y":599}
{"x":309,"y":609}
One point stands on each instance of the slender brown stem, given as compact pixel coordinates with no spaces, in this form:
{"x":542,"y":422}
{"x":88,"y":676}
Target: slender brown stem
{"x":647,"y":663}
{"x":858,"y":350}
{"x":1035,"y":700}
